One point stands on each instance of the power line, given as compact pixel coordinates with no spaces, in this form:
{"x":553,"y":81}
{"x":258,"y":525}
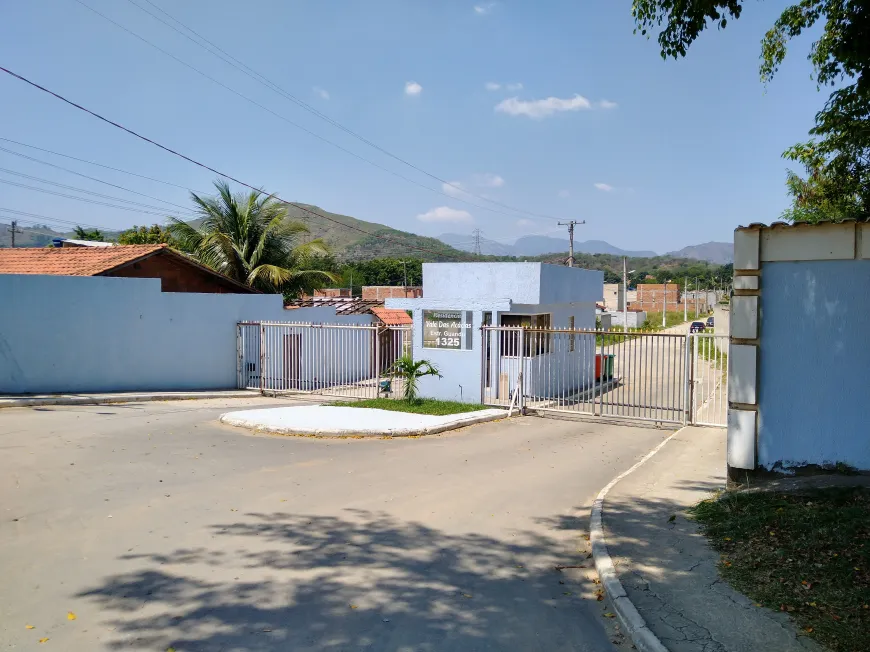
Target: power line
{"x":265,"y":81}
{"x":91,"y":192}
{"x":81,"y":160}
{"x":306,"y":130}
{"x":82,"y":199}
{"x":57,"y":220}
{"x":211,"y":169}
{"x":85,"y":176}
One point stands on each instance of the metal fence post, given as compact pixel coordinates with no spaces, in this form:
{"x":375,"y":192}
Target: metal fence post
{"x":686,"y":380}
{"x":690,"y":381}
{"x":239,"y":382}
{"x":263,"y":359}
{"x":377,"y":374}
{"x":521,"y":358}
{"x":600,"y":378}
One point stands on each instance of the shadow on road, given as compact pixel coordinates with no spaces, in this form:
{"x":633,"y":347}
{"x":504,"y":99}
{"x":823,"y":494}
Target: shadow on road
{"x":361,"y":580}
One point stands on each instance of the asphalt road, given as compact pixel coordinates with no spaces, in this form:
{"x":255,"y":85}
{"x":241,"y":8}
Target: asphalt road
{"x":156,"y":527}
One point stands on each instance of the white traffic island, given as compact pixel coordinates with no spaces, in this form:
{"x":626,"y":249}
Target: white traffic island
{"x":331,"y":421}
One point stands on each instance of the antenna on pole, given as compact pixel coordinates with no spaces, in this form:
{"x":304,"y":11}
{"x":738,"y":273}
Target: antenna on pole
{"x":476,"y":234}
{"x":570,"y":224}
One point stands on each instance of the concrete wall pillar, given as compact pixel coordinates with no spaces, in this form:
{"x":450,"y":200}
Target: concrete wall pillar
{"x":742,"y":449}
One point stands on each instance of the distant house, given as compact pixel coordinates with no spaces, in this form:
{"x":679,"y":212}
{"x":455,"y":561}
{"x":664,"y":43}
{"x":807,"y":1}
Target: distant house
{"x":177,"y":272}
{"x":382,"y":292}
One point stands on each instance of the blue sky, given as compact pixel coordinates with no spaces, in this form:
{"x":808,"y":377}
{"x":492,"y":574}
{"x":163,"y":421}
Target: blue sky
{"x":554,"y":108}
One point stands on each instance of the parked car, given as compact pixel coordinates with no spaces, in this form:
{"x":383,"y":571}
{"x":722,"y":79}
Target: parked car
{"x":710,"y":322}
{"x":697,"y":327}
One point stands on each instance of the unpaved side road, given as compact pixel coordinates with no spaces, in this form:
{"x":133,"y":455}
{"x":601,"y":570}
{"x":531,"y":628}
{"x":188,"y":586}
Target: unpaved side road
{"x":156,"y":527}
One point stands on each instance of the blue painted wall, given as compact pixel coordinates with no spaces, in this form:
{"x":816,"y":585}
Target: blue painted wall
{"x":500,"y":288}
{"x":94,"y":334}
{"x":814,"y":364}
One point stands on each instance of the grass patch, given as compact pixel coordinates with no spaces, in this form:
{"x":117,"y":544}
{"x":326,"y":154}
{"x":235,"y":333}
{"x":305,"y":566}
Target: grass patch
{"x":807,"y":555}
{"x":419,"y":406}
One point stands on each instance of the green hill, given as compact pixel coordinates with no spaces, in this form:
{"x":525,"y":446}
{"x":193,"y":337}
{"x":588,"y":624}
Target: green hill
{"x":352,"y":239}
{"x":347,"y":237}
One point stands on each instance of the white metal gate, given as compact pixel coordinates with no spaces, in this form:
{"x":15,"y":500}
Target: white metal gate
{"x":659,"y":377}
{"x":352,"y":361}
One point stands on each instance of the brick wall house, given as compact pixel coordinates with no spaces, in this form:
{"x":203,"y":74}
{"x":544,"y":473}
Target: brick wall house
{"x":380,"y":292}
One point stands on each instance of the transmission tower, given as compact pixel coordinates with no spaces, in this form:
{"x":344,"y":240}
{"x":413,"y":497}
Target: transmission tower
{"x":476,"y":242}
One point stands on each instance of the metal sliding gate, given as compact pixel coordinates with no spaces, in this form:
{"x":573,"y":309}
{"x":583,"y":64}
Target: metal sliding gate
{"x":659,"y":377}
{"x":345,"y":360}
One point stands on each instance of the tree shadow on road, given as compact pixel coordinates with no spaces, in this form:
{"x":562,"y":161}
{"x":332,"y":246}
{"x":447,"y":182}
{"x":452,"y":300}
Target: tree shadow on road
{"x":360,"y":580}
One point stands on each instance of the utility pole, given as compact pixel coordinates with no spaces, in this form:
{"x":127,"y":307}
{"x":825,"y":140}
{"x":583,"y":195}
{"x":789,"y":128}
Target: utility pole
{"x":570,"y":224}
{"x":405,"y":269}
{"x":625,"y":296}
{"x":685,"y":299}
{"x":476,"y":234}
{"x":665,"y":305}
{"x":696,"y":297}
{"x":13,"y":230}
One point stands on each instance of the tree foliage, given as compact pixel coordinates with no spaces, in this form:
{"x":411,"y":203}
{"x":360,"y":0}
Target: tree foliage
{"x":94,"y":235}
{"x":836,"y":159}
{"x":154,"y":234}
{"x":248,"y":237}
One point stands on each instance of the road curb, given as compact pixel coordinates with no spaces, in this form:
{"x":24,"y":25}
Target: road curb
{"x":102,"y":399}
{"x":364,"y":434}
{"x":634,"y":624}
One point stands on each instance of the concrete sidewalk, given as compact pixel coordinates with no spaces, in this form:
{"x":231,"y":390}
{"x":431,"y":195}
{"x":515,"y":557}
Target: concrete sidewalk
{"x":32,"y":400}
{"x":667,"y":568}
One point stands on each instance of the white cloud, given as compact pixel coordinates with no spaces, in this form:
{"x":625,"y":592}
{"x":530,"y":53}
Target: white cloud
{"x":470,"y":188}
{"x":523,"y":223}
{"x":564,"y":194}
{"x":445,"y":214}
{"x":321,"y":93}
{"x":496,"y":86}
{"x":453,"y":188}
{"x":413,"y":88}
{"x":603,"y":187}
{"x":542,"y":108}
{"x":488,"y":180}
{"x":484,"y":8}
{"x":607,"y":104}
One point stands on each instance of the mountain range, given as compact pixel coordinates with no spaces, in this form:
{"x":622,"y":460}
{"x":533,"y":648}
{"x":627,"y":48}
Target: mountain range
{"x":538,"y":245}
{"x":352,"y":239}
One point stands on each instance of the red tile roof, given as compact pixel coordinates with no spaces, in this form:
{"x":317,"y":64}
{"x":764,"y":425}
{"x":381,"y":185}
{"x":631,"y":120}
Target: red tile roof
{"x":392,"y":316}
{"x":72,"y":261}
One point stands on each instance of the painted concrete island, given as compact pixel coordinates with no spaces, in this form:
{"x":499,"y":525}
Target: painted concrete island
{"x":330,"y":421}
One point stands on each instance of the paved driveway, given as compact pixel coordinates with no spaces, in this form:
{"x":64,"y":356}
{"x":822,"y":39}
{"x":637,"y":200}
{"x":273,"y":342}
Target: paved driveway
{"x":158,"y":527}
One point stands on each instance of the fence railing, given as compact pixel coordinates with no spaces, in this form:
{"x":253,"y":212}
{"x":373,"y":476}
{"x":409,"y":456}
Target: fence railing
{"x":346,"y":360}
{"x":660,"y":377}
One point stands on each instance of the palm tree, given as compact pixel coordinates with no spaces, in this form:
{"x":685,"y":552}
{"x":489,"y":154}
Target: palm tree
{"x":411,"y":372}
{"x":249,"y":238}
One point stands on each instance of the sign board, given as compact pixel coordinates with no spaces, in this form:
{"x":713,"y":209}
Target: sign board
{"x":446,"y":329}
